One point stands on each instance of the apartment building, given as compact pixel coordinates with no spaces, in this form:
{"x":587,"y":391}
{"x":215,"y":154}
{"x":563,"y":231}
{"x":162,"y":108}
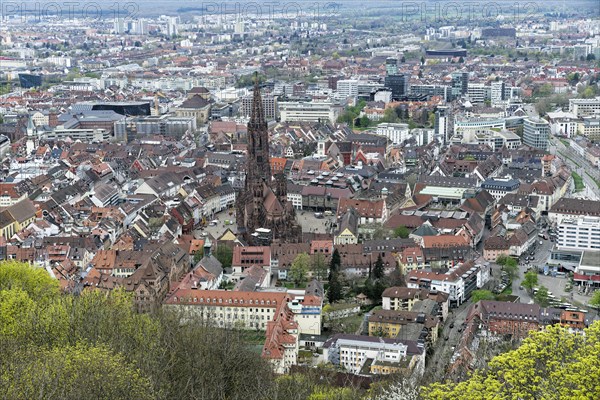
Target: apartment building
{"x":396,"y":133}
{"x":459,"y":282}
{"x":366,"y":354}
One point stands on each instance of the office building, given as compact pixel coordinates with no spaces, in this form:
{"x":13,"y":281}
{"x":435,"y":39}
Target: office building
{"x":582,"y":233}
{"x":391,"y":66}
{"x":585,"y":107}
{"x":269,"y":106}
{"x":536,"y":132}
{"x":460,"y":84}
{"x":308,"y":111}
{"x":430,"y":91}
{"x":347,"y":88}
{"x":399,"y":84}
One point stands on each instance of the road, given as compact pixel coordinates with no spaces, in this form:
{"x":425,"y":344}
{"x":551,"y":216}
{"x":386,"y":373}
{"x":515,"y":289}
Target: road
{"x":583,"y":167}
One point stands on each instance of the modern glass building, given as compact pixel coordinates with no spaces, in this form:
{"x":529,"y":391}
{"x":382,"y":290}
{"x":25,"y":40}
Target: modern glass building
{"x":536,"y":132}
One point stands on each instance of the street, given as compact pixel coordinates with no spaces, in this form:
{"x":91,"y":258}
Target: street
{"x":578,"y":164}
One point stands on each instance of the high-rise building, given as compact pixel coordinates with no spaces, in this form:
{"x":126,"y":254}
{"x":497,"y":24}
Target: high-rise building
{"x":399,"y":85}
{"x":440,"y":126}
{"x":119,"y":26}
{"x":269,"y":106}
{"x":460,"y":84}
{"x":172,"y":26}
{"x":263,"y":208}
{"x":536,"y":132}
{"x":497,"y":92}
{"x":391,"y":66}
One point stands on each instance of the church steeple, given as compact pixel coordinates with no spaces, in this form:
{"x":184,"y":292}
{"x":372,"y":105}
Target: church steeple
{"x":257,"y":115}
{"x":259,"y":165}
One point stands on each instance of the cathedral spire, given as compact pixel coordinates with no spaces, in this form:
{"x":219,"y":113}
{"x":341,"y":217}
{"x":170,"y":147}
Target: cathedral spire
{"x":257,"y":116}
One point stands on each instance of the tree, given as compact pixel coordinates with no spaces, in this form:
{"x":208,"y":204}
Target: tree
{"x":36,"y":282}
{"x":299,"y":268}
{"x":595,"y":300}
{"x":364,"y":121}
{"x":549,"y":364}
{"x":401,"y":232}
{"x":509,"y":265}
{"x":55,"y":345}
{"x":74,"y":372}
{"x":198,"y":256}
{"x":389,"y":115}
{"x":335,"y":262}
{"x":319,"y":266}
{"x":461,"y":60}
{"x":225,"y":256}
{"x":530,"y":281}
{"x":591,"y":57}
{"x":479,"y":295}
{"x":334,"y":290}
{"x":378,"y":270}
{"x":541,"y":297}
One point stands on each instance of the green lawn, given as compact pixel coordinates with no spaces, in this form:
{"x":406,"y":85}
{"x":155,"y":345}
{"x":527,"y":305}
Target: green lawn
{"x":579,"y":186}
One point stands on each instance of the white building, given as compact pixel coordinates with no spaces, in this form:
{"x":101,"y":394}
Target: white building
{"x":582,"y":233}
{"x":347,"y":88}
{"x":497,"y":92}
{"x":384,"y":96}
{"x":461,"y":124}
{"x":352,"y":352}
{"x":396,"y":133}
{"x":584,"y":107}
{"x":478,"y":92}
{"x":308,"y":111}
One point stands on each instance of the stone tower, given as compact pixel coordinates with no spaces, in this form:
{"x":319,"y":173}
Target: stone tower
{"x":263,"y":201}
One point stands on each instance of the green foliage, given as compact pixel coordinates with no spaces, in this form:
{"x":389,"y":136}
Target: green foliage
{"x":225,"y":256}
{"x":401,"y":232}
{"x":334,"y":290}
{"x":578,"y":181}
{"x":198,"y":256}
{"x":550,"y":364}
{"x":351,"y":113}
{"x":378,"y":271}
{"x":530,"y":281}
{"x":299,"y":268}
{"x":96,"y":346}
{"x":248,"y":80}
{"x":33,"y":280}
{"x":479,"y":295}
{"x":509,"y":265}
{"x":73,"y":372}
{"x":541,"y":297}
{"x":390,"y":116}
{"x":319,"y":266}
{"x":595,"y":300}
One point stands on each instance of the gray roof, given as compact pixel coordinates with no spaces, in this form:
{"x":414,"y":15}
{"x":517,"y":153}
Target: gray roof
{"x":211,"y":264}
